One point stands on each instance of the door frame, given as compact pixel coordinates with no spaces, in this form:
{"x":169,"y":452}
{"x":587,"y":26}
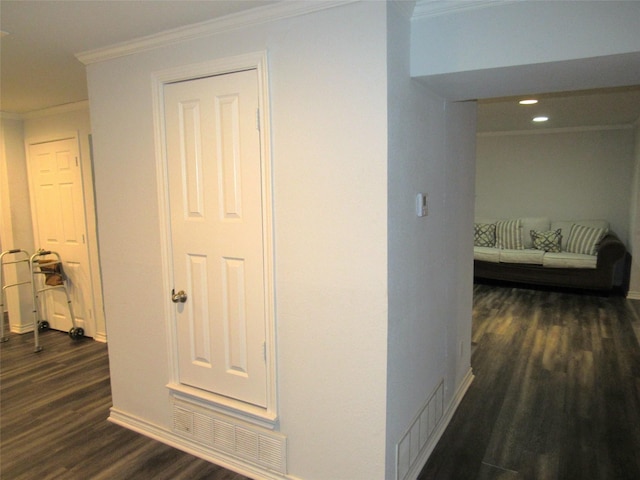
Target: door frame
{"x":266,"y":417}
{"x":91,"y":327}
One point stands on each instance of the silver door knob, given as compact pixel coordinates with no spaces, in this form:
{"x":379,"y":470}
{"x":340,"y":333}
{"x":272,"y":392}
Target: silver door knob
{"x":179,"y":297}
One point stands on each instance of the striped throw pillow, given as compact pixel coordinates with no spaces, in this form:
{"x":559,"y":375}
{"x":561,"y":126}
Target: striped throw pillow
{"x":584,"y":240}
{"x":508,"y":235}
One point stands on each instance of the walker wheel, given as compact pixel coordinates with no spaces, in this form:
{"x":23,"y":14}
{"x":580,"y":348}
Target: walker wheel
{"x":43,"y":325}
{"x":76,"y":333}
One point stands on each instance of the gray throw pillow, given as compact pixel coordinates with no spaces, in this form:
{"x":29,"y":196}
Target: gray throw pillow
{"x":484,"y":235}
{"x":548,"y":241}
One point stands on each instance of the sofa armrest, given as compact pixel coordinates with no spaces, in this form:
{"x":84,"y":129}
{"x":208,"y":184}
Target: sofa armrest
{"x":611,"y":250}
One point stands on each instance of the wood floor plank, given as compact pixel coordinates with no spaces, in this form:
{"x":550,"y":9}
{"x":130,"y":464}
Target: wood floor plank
{"x":53,"y":420}
{"x":556,"y":393}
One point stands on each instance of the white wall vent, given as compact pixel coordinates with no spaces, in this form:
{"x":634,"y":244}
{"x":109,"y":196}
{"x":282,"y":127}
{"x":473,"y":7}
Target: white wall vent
{"x":417,"y":436}
{"x":266,"y":449}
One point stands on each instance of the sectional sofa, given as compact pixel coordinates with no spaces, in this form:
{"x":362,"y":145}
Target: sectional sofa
{"x":581,"y":254}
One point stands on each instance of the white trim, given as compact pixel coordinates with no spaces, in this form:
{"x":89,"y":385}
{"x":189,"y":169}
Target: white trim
{"x":247,"y":18}
{"x":435,"y":8}
{"x":421,"y":461}
{"x":69,"y":135}
{"x":21,"y":328}
{"x":11,"y":116}
{"x":405,"y":7}
{"x":57,"y":110}
{"x":100,"y":337}
{"x":586,"y":128}
{"x":167,"y":437}
{"x":225,"y":405}
{"x":45,"y":112}
{"x":257,"y":60}
{"x":633,"y":295}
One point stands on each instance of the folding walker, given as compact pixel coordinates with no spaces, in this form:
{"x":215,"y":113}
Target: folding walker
{"x":19,"y":256}
{"x":54,"y":278}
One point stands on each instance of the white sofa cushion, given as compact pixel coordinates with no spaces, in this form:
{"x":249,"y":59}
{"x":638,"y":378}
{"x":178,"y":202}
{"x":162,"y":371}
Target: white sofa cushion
{"x":486,"y":254}
{"x":529,"y":256}
{"x":540,"y":224}
{"x":569,"y":260}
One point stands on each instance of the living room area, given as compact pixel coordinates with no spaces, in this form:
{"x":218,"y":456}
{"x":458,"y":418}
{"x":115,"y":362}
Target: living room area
{"x":556,"y":369}
{"x":549,"y":163}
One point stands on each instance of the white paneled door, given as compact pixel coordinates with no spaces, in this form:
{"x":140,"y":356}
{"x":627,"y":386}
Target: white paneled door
{"x":60,"y":226}
{"x":215,"y":192}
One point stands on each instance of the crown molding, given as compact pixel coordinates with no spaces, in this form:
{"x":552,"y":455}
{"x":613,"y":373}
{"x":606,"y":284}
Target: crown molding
{"x":45,"y":112}
{"x":248,"y":18}
{"x":11,"y":116}
{"x":544,"y":131}
{"x":405,"y":7}
{"x":58,"y":109}
{"x":434,"y":8}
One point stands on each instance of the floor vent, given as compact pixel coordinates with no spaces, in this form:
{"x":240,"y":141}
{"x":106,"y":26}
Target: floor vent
{"x":264,"y":448}
{"x":417,"y":436}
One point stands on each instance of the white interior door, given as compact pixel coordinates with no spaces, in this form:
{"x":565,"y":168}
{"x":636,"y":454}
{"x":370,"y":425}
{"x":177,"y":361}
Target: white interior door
{"x":215,"y":190}
{"x":60,"y":226}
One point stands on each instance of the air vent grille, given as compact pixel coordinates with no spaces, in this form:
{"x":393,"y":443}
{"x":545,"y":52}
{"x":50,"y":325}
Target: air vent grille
{"x":210,"y":429}
{"x":182,"y":420}
{"x":224,"y":435}
{"x":416,"y":438}
{"x":272,"y":453}
{"x":203,"y":428}
{"x":247,"y":443}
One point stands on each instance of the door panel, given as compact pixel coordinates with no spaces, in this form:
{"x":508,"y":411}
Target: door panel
{"x":60,"y":226}
{"x":215,"y":190}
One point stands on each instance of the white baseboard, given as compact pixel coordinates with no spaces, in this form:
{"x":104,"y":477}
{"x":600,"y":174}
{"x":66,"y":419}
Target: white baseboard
{"x":100,"y":337}
{"x":21,"y":328}
{"x":167,"y":437}
{"x":633,"y":295}
{"x":448,"y":415}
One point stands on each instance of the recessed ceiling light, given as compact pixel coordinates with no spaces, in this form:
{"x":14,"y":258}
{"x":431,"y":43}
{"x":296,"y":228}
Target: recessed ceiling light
{"x":540,"y":119}
{"x":529,"y":101}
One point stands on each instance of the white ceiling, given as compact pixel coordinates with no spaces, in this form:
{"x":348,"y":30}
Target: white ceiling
{"x":37,"y":56}
{"x":591,"y":108}
{"x":38,"y":67}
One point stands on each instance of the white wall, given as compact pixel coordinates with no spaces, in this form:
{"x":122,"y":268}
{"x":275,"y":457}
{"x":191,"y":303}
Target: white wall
{"x":329,"y":165}
{"x":431,"y":150}
{"x":634,"y":284}
{"x":329,"y":111}
{"x":15,"y":221}
{"x":512,"y":48}
{"x":562,"y":175}
{"x":562,"y":31}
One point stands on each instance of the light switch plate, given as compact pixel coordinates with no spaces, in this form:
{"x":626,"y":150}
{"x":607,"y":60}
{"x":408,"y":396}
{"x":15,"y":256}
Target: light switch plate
{"x":421,"y":205}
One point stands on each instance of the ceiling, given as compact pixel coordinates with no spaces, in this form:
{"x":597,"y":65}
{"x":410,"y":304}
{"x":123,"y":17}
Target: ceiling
{"x":587,"y":108}
{"x":38,"y":67}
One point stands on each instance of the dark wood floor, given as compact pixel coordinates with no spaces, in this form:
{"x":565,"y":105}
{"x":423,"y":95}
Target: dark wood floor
{"x":54,"y":406}
{"x":556,"y":393}
{"x":556,"y":396}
